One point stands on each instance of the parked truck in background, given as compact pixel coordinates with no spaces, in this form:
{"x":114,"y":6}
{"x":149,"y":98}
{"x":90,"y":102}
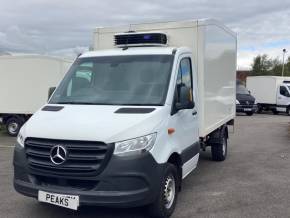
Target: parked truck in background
{"x":246,"y":102}
{"x":126,"y":124}
{"x":25,"y":80}
{"x":271,"y":93}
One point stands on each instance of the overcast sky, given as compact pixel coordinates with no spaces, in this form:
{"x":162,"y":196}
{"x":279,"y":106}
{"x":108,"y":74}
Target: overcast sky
{"x":64,"y":27}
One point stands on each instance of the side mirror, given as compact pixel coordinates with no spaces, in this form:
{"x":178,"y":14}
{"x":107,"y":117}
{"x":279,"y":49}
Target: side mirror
{"x":282,"y":92}
{"x":50,"y":91}
{"x":185,"y":99}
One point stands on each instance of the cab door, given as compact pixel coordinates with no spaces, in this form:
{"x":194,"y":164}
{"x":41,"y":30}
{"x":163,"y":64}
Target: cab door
{"x":186,"y":120}
{"x":283,"y":98}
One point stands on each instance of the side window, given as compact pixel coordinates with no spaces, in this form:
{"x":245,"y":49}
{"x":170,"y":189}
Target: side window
{"x":184,"y":77}
{"x":284,"y":91}
{"x":81,"y":80}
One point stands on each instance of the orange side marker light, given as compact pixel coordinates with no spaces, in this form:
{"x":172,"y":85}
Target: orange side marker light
{"x":171,"y":131}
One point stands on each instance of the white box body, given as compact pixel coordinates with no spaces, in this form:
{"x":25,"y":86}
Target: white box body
{"x":25,"y":80}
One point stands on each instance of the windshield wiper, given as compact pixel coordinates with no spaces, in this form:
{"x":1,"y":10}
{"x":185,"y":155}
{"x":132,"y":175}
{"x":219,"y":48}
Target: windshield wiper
{"x":91,"y":103}
{"x":141,"y":104}
{"x":74,"y":102}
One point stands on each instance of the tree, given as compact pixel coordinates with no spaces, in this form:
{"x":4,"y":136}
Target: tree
{"x":287,"y":67}
{"x":276,"y":67}
{"x":265,"y":66}
{"x":261,"y":65}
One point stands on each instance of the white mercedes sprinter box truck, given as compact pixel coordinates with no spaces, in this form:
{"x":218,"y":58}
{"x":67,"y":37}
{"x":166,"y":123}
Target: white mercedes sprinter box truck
{"x":127,"y":122}
{"x":271,"y":93}
{"x":25,"y":80}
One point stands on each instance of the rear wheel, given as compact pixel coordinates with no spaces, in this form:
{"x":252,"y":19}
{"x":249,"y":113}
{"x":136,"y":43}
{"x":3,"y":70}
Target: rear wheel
{"x":275,"y":112}
{"x":260,"y":109}
{"x":219,"y":150}
{"x":13,"y":126}
{"x":164,"y":205}
{"x":288,"y":111}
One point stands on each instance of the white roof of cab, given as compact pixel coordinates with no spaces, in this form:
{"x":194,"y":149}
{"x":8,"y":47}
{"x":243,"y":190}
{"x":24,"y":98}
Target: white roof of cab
{"x":130,"y":51}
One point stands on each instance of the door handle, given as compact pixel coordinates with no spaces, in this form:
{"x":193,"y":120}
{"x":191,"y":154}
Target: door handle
{"x":194,"y":113}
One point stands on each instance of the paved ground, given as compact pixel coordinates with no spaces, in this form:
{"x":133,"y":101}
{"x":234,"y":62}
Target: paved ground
{"x":253,"y":182}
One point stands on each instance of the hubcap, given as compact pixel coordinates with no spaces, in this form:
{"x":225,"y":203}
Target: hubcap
{"x":12,"y":127}
{"x":169,"y":191}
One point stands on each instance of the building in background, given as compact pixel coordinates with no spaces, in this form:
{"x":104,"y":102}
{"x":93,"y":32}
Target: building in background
{"x":242,"y":74}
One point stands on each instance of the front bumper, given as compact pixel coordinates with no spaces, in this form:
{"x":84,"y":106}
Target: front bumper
{"x":125,"y":182}
{"x":244,"y":108}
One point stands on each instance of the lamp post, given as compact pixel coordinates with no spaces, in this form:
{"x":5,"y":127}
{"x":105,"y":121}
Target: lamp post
{"x":284,"y":52}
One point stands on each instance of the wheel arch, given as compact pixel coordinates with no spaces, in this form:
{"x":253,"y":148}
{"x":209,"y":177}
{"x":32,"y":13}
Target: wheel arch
{"x":217,"y":135}
{"x":176,"y":160}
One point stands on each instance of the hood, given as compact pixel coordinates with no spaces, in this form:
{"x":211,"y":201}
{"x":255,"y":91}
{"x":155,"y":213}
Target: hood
{"x":93,"y":123}
{"x":245,"y":97}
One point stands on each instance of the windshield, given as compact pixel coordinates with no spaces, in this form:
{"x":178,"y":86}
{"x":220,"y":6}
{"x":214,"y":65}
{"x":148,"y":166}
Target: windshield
{"x":116,"y":80}
{"x":242,"y":90}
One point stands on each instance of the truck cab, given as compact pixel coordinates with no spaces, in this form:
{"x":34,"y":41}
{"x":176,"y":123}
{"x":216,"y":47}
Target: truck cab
{"x":283,"y":98}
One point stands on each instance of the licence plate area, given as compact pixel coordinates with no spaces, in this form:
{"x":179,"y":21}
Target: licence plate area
{"x":247,"y":109}
{"x":62,"y":200}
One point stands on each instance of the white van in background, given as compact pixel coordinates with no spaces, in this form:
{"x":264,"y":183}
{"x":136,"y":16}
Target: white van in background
{"x":25,"y":80}
{"x":127,"y":122}
{"x":271,"y":93}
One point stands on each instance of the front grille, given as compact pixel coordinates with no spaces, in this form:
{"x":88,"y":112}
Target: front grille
{"x":84,"y":158}
{"x":243,"y":102}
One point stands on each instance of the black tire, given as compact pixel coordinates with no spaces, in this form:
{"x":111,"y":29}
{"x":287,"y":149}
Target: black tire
{"x":162,"y":208}
{"x":260,"y":109}
{"x":250,"y":113}
{"x":288,"y":111}
{"x":219,"y":150}
{"x":13,"y":126}
{"x":275,"y":112}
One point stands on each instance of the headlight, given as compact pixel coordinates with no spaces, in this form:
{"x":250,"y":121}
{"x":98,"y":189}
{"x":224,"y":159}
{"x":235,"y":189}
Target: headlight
{"x":135,"y":146}
{"x":20,"y":139}
{"x":237,"y":101}
{"x":255,"y":102}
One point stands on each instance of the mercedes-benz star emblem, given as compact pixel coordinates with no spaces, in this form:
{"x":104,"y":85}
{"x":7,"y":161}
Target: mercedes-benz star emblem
{"x":58,"y":154}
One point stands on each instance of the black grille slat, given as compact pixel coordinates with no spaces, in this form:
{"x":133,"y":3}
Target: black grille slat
{"x":246,"y":102}
{"x":40,"y":169}
{"x":84,"y":158}
{"x":69,"y":166}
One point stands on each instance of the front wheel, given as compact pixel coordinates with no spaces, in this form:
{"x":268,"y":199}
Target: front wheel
{"x":275,"y":112}
{"x":250,"y":113}
{"x":219,"y":150}
{"x":259,"y":109}
{"x":164,"y":205}
{"x":288,"y":111}
{"x":13,"y":126}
